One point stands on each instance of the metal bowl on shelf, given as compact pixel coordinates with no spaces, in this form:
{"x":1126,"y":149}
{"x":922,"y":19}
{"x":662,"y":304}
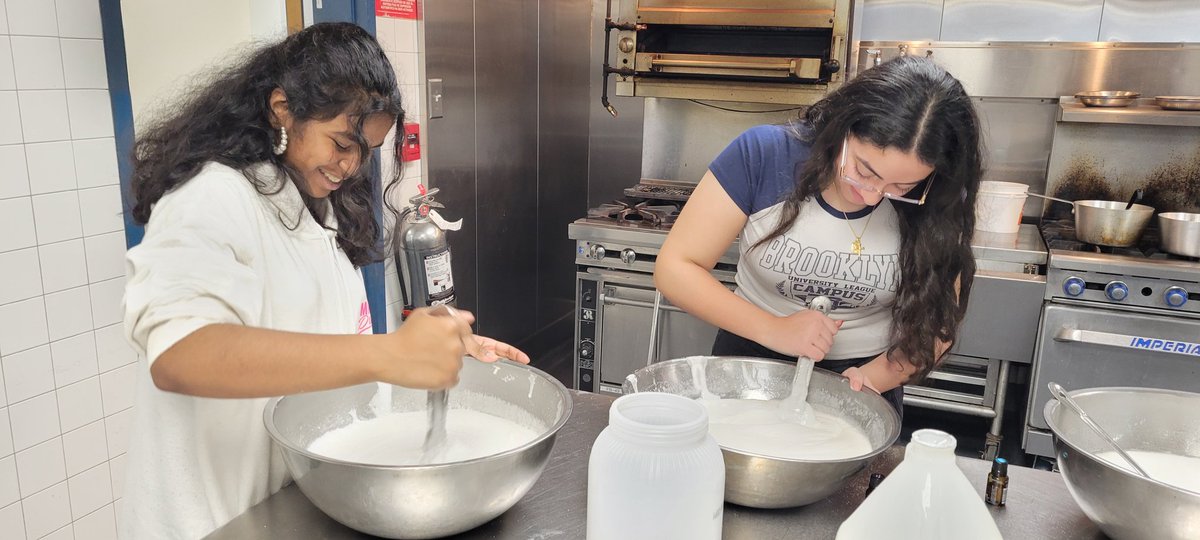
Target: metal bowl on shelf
{"x":1108,"y":98}
{"x":1178,"y":103}
{"x":1120,"y":501}
{"x":420,"y":501}
{"x":761,"y":481}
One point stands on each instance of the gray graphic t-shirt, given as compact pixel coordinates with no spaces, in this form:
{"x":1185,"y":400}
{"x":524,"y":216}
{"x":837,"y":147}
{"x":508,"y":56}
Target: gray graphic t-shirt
{"x":814,"y":257}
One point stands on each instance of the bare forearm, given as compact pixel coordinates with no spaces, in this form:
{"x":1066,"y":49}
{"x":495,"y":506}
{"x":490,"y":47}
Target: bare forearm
{"x":695,"y":290}
{"x":232,"y":361}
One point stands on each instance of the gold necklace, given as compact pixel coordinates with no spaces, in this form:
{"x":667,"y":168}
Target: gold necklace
{"x":856,"y":246}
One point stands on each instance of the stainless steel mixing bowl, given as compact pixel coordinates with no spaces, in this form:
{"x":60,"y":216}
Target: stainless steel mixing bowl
{"x":1120,"y":502}
{"x":429,"y":501}
{"x":764,"y":481}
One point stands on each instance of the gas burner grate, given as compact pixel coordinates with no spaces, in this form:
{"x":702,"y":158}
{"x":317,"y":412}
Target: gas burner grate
{"x":661,"y":192}
{"x":639,"y":213}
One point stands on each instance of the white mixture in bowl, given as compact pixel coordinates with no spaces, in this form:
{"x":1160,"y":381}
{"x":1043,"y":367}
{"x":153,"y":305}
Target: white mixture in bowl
{"x":1180,"y":471}
{"x":761,"y":427}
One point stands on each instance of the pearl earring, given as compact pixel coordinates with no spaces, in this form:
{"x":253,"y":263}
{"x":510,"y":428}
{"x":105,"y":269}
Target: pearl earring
{"x":282,"y":146}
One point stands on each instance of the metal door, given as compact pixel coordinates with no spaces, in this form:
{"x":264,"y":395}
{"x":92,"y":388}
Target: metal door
{"x":1079,"y":347}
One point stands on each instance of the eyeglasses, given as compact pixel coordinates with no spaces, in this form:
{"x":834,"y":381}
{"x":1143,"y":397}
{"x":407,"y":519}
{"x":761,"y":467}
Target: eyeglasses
{"x":883,"y":192}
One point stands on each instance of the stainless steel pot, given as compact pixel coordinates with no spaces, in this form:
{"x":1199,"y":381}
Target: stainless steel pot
{"x":419,"y":501}
{"x":1108,"y":223}
{"x":1118,"y":500}
{"x":764,"y":481}
{"x":1179,"y":233}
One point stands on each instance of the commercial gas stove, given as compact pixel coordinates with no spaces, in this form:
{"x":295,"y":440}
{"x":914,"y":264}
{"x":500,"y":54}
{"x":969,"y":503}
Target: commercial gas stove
{"x":1113,"y":317}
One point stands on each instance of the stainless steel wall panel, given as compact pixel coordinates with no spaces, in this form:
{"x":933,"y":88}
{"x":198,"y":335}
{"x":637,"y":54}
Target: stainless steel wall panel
{"x":1150,"y":20}
{"x":506,"y":141}
{"x":1053,"y":70}
{"x":450,"y":142}
{"x":614,"y":144}
{"x":1017,"y":134}
{"x":564,"y":105}
{"x":682,"y":137}
{"x":1021,"y":20}
{"x":899,"y":20}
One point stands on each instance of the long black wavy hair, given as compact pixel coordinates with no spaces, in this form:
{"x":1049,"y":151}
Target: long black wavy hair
{"x":325,"y":70}
{"x":912,"y":105}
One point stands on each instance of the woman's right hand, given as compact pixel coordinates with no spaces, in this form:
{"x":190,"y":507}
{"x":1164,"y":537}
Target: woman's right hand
{"x":426,"y":351}
{"x":807,"y":333}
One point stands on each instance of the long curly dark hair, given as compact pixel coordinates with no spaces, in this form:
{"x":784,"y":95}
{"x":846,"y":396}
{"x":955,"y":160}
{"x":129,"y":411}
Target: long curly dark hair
{"x":325,"y":70}
{"x":912,"y":105}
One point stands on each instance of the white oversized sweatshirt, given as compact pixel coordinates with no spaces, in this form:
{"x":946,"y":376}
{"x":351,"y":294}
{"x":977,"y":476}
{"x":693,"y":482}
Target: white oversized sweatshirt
{"x":218,"y":251}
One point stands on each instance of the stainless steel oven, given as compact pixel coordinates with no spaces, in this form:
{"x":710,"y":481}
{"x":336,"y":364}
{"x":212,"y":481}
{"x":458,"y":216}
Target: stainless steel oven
{"x":1129,"y":318}
{"x":622,"y":323}
{"x":765,"y":51}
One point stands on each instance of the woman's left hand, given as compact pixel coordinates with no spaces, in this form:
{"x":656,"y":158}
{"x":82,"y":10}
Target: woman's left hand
{"x":494,"y":350}
{"x":858,"y":379}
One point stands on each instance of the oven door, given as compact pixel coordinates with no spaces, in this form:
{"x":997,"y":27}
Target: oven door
{"x":1084,"y":347}
{"x":625,"y":326}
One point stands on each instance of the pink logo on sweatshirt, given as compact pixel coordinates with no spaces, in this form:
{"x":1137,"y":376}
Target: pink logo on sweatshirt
{"x":364,"y":318}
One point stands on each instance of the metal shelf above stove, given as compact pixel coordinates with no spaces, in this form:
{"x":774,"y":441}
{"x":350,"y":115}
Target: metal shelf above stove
{"x":1143,"y":112}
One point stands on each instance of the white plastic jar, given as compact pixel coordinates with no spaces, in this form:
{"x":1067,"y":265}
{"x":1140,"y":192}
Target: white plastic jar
{"x":655,"y":472}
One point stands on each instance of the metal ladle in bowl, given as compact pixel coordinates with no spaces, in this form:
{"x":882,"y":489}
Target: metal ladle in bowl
{"x":438,"y":400}
{"x":1060,"y":394}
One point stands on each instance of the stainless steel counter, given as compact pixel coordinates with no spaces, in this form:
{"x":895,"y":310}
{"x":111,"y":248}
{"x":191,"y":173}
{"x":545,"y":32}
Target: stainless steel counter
{"x":1024,"y":246}
{"x":1038,"y":503}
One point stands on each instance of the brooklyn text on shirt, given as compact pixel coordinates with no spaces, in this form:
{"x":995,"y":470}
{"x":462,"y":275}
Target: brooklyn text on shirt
{"x":785,"y":255}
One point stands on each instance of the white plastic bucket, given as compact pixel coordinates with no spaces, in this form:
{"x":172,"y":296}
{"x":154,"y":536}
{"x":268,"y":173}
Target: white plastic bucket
{"x":998,"y":207}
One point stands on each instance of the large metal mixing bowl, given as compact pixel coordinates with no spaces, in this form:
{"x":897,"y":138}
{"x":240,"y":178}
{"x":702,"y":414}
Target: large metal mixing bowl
{"x":428,"y":501}
{"x":1121,"y":502}
{"x":764,"y":481}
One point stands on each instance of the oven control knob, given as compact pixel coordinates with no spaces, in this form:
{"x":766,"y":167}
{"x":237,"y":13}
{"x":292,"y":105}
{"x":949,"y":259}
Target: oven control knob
{"x":628,"y":256}
{"x":586,"y":349}
{"x":596,"y":252}
{"x":1175,"y":297}
{"x":1074,"y":286}
{"x":1115,"y":290}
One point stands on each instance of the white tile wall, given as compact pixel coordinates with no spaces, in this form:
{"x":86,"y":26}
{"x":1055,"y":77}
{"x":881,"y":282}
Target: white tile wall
{"x":14,"y":176}
{"x":34,"y":421}
{"x":74,"y":359}
{"x":10,"y":118}
{"x":37,"y":62}
{"x":47,"y":511}
{"x":56,"y":216}
{"x":51,"y":167}
{"x":79,"y":405}
{"x":99,"y":525}
{"x":8,"y":79}
{"x":401,"y":40}
{"x":68,"y":313}
{"x":22,"y":327}
{"x":96,"y":162}
{"x":22,"y":275}
{"x":40,"y":467}
{"x":32,"y":18}
{"x":63,"y":265}
{"x":83,"y":63}
{"x":85,"y":448}
{"x":9,"y":492}
{"x":27,"y":374}
{"x":12,"y":521}
{"x":6,"y":443}
{"x":44,"y":115}
{"x":100,"y":211}
{"x":64,"y":362}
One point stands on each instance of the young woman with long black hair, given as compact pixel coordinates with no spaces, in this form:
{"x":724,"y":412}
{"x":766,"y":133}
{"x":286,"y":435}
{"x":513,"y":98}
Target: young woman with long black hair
{"x":867,"y":200}
{"x":256,"y":193}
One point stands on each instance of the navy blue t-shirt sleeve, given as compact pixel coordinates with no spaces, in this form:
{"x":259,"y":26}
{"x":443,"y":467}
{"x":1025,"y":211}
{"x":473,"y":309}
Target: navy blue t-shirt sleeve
{"x":759,"y":167}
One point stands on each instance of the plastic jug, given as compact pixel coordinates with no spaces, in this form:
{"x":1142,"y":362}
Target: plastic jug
{"x":927,"y":497}
{"x":655,"y":472}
